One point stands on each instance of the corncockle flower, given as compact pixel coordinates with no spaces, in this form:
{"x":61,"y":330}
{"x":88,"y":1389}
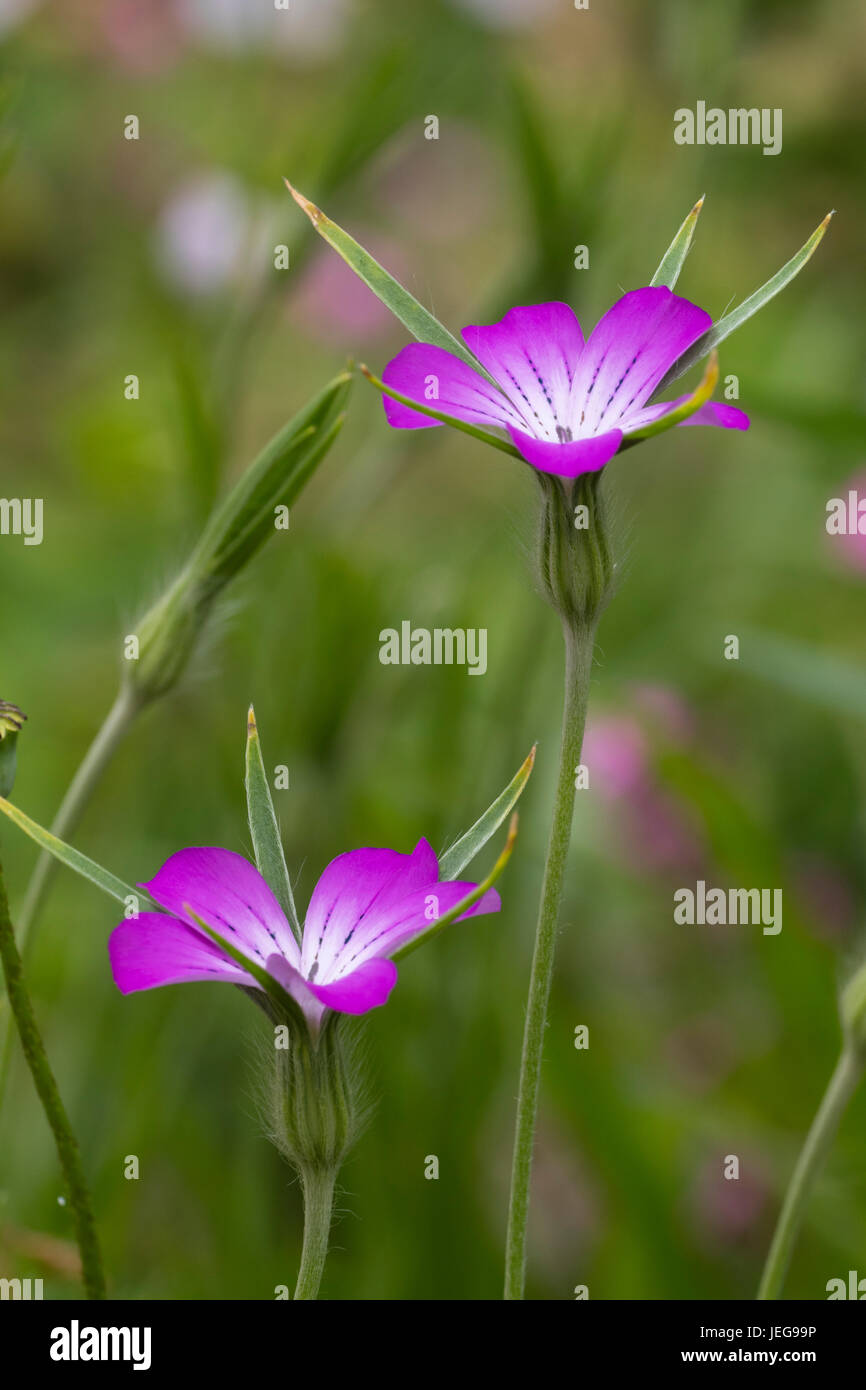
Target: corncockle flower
{"x":224,"y":919}
{"x":567,"y":404}
{"x":367,"y":904}
{"x":530,"y":385}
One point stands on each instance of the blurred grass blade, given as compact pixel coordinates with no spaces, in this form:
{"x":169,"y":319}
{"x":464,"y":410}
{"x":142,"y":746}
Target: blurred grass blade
{"x":419,"y":321}
{"x":484,"y":435}
{"x":541,"y":172}
{"x":674,"y":258}
{"x":272,"y":987}
{"x":455,"y":859}
{"x":689,"y":406}
{"x":800,"y":668}
{"x":750,"y":306}
{"x":267,"y":845}
{"x":73,"y":859}
{"x":465,"y":903}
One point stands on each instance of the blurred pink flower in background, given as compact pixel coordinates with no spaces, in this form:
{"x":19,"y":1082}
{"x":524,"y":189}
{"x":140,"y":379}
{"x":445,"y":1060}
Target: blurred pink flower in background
{"x":828,"y":897}
{"x":617,"y":752}
{"x":308,"y":29}
{"x":508,"y":14}
{"x":143,"y":35}
{"x":665,"y":710}
{"x":852,"y":546}
{"x":417,"y":181}
{"x":730,"y":1211}
{"x":202,"y":232}
{"x":331,"y":302}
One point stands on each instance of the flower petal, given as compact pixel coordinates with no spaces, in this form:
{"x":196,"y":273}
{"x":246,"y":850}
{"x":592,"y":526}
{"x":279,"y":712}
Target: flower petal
{"x":437,"y":378}
{"x":532,"y":353}
{"x":361,"y":882}
{"x":570,"y":459}
{"x":729,"y":417}
{"x":712,"y":413}
{"x":153,"y":949}
{"x":229,"y":893}
{"x":628,"y":353}
{"x":355,"y":993}
{"x":363,"y":989}
{"x":382,"y":933}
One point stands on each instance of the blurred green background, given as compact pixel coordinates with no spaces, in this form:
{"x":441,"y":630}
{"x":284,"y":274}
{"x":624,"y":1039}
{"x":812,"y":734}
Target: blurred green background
{"x":155,"y":257}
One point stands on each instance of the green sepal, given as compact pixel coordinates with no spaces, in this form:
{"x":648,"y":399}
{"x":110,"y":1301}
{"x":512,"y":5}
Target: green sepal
{"x":403,"y":305}
{"x":484,"y":435}
{"x":74,"y":859}
{"x":463,"y":851}
{"x":465,"y":903}
{"x":725,"y":326}
{"x":264,"y":830}
{"x":673,"y":259}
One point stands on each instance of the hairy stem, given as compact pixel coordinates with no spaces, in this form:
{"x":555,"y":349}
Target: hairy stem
{"x":318,"y":1189}
{"x":579,"y":641}
{"x":843,"y":1083}
{"x":46,"y":1087}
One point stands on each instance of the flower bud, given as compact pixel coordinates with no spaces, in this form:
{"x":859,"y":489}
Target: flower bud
{"x":11,"y":723}
{"x":574,"y":561}
{"x":238,"y":527}
{"x":316,"y":1096}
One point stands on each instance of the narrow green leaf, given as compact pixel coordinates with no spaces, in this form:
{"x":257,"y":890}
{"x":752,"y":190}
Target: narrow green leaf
{"x":673,"y":259}
{"x":473,"y":430}
{"x":750,"y":306}
{"x":419,"y":321}
{"x":455,"y":859}
{"x":689,"y":406}
{"x":465,"y":903}
{"x":267,"y":845}
{"x":273,"y":989}
{"x":74,"y":859}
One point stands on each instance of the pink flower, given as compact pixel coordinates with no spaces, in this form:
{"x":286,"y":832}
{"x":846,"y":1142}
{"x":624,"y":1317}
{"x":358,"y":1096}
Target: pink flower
{"x":367,"y":904}
{"x":566,"y":404}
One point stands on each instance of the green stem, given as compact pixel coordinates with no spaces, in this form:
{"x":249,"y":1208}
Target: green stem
{"x":843,"y":1083}
{"x":78,"y":793}
{"x":46,"y":1087}
{"x":318,"y":1207}
{"x":81,"y":788}
{"x":579,"y":642}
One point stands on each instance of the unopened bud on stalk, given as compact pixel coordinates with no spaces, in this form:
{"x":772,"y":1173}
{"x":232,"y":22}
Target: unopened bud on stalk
{"x":238,"y":527}
{"x":573,"y":556}
{"x":11,"y":723}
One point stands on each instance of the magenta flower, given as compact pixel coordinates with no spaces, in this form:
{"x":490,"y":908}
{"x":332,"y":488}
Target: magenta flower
{"x":367,"y":904}
{"x":567,"y":405}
